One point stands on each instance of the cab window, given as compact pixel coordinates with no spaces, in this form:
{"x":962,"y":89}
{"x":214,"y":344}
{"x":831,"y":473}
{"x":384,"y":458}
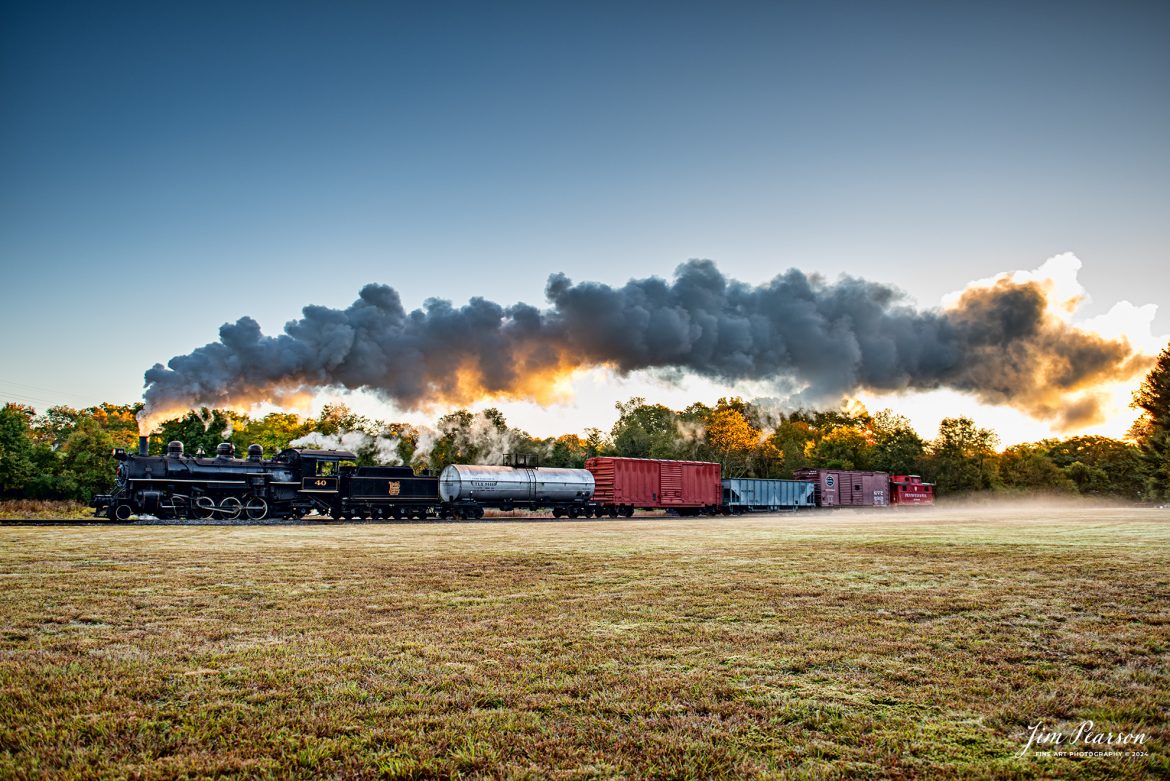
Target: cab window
{"x":326,"y":468}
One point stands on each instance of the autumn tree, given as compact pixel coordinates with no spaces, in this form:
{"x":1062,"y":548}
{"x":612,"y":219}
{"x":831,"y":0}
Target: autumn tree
{"x":567,"y":450}
{"x":732,"y":438}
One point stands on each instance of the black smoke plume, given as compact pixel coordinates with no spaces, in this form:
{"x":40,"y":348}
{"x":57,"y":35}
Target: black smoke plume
{"x":999,"y":342}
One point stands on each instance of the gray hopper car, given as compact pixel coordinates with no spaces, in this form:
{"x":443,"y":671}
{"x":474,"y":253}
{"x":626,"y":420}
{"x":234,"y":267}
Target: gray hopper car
{"x":741,"y":495}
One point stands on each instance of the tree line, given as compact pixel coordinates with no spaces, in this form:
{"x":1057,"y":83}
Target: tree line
{"x":64,"y":453}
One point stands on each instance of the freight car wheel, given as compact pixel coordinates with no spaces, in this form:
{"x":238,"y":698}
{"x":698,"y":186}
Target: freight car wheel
{"x":256,"y":508}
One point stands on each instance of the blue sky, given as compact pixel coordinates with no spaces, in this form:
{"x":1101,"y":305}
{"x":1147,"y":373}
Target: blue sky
{"x":169,"y":167}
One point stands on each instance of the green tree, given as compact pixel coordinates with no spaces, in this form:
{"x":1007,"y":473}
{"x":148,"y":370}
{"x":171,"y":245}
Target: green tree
{"x":336,"y":419}
{"x":645,"y":430}
{"x":86,"y":460}
{"x":273,"y":432}
{"x":454,"y":445}
{"x":405,"y":436}
{"x":1101,"y":466}
{"x":1152,"y":430}
{"x":963,"y":457}
{"x":595,"y":442}
{"x":789,"y":440}
{"x":1028,"y":467}
{"x":203,"y":430}
{"x":54,"y":426}
{"x":567,"y":450}
{"x":897,"y":448}
{"x":16,"y":450}
{"x":844,"y":447}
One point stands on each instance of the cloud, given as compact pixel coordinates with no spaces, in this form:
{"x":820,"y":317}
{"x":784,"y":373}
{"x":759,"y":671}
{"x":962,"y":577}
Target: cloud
{"x":1007,"y":340}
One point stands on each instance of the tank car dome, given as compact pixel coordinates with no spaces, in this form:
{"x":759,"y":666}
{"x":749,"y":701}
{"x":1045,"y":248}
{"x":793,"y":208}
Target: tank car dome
{"x":174,"y":448}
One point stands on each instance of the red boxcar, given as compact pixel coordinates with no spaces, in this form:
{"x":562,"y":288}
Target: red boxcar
{"x":847,"y":488}
{"x":625,"y":484}
{"x":909,"y":489}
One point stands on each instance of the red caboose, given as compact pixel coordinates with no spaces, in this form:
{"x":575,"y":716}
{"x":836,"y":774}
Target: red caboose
{"x":625,"y":484}
{"x":909,"y":489}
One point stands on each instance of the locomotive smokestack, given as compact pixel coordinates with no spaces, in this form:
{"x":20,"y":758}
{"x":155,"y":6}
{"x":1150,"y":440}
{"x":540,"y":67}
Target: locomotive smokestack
{"x":143,"y":446}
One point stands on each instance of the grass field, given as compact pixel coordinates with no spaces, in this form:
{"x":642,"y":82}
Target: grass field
{"x":895,"y":644}
{"x":24,"y":509}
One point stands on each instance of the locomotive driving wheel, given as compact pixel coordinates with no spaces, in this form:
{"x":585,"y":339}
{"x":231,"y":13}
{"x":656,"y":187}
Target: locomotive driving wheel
{"x":231,"y":507}
{"x":256,"y":508}
{"x":204,"y":508}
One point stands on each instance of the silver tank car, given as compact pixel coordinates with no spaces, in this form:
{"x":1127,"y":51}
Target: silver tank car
{"x":514,"y":485}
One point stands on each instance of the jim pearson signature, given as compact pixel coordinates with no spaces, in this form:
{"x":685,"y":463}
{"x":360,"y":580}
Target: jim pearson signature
{"x":1086,"y":736}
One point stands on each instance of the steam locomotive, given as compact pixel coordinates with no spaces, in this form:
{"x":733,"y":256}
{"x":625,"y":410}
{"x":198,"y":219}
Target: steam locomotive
{"x":298,"y":481}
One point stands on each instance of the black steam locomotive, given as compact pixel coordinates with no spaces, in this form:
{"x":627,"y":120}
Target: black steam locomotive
{"x":291,"y":485}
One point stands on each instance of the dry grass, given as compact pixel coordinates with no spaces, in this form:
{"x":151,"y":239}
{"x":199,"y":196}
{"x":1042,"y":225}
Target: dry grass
{"x":899,"y":644}
{"x":35,"y":509}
